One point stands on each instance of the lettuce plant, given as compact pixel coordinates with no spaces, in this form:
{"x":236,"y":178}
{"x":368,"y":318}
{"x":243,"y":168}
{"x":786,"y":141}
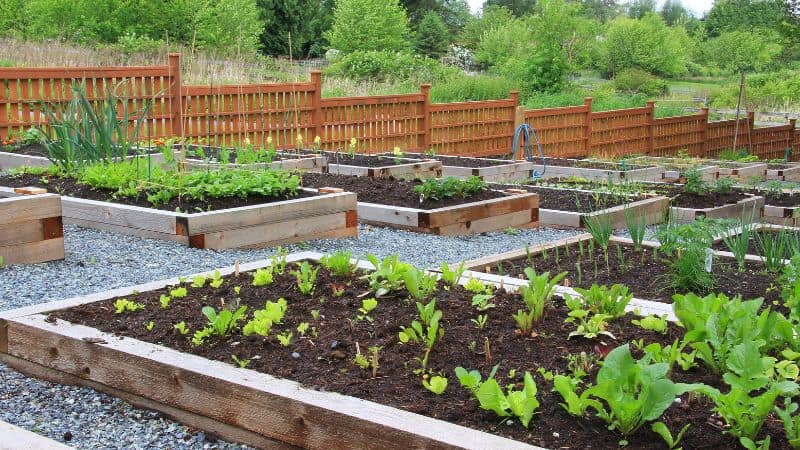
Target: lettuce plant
{"x":536,"y":294}
{"x":264,"y":319}
{"x":436,"y":384}
{"x":388,"y":274}
{"x":490,"y":395}
{"x":338,"y":263}
{"x":752,"y":393}
{"x":418,"y":284}
{"x":123,"y":305}
{"x":627,"y":394}
{"x":306,"y":276}
{"x":452,"y":277}
{"x":601,"y":300}
{"x":220,"y":323}
{"x":263,"y":277}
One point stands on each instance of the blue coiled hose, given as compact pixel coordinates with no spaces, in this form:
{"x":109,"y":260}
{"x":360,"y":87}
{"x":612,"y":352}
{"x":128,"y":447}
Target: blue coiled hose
{"x":525,"y":131}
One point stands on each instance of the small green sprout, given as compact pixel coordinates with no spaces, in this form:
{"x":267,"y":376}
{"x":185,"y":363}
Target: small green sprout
{"x":124,"y":305}
{"x":181,"y":327}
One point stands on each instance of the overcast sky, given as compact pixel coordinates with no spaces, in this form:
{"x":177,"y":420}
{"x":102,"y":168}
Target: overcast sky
{"x":697,"y":7}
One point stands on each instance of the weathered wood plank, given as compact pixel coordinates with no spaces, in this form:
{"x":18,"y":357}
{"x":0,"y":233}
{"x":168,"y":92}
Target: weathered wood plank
{"x":392,"y":215}
{"x":135,"y":217}
{"x":27,"y":208}
{"x":247,"y":216}
{"x":518,"y":219}
{"x":469,"y":212}
{"x":268,"y":234}
{"x":33,"y":252}
{"x":276,"y":408}
{"x":21,"y":232}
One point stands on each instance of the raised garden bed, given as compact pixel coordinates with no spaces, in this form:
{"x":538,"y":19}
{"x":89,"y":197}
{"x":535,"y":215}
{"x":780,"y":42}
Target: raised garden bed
{"x":783,"y":172}
{"x":687,"y":207}
{"x":742,"y":171}
{"x":645,"y":276}
{"x":599,"y":171}
{"x":764,"y":231}
{"x":261,"y":407}
{"x":230,"y":222}
{"x":570,"y":208}
{"x":212,"y":158}
{"x":677,"y":167}
{"x":382,"y":166}
{"x":36,"y":156}
{"x":496,"y":170}
{"x":31,"y":228}
{"x":393,"y":203}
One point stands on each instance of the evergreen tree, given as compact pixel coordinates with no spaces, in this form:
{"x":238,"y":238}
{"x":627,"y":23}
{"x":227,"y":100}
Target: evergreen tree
{"x":518,"y":7}
{"x":368,"y":25}
{"x":432,"y":37}
{"x":307,"y":21}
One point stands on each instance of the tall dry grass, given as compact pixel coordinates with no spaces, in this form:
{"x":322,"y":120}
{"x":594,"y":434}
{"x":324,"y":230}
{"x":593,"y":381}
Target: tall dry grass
{"x":198,"y":68}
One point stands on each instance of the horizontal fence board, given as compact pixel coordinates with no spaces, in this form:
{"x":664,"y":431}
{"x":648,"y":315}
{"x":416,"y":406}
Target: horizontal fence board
{"x":234,"y":114}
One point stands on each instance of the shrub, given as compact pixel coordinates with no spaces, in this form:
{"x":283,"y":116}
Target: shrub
{"x":635,"y":80}
{"x":389,"y":66}
{"x":465,"y":88}
{"x":364,"y":25}
{"x":432,"y":38}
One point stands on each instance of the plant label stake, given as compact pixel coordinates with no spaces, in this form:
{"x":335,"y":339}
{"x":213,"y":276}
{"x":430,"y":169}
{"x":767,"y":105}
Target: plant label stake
{"x":709,"y":259}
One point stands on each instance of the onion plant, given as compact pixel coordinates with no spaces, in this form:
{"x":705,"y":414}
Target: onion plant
{"x":637,"y":225}
{"x":773,"y":248}
{"x":739,"y":243}
{"x":84,"y":133}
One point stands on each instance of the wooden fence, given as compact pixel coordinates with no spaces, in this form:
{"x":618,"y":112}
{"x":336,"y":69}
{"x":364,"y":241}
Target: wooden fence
{"x":234,"y":114}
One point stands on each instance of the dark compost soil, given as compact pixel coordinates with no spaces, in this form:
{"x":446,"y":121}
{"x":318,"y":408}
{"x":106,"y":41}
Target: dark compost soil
{"x":645,"y":277}
{"x":457,"y":161}
{"x":70,"y":187}
{"x":388,"y":191}
{"x":326,"y":354}
{"x":783,"y":199}
{"x":572,"y":200}
{"x":363,"y":160}
{"x":29,"y":150}
{"x":566,"y":162}
{"x":709,"y":200}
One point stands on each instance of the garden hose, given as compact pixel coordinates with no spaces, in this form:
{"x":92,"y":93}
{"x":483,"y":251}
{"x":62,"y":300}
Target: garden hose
{"x":525,"y":131}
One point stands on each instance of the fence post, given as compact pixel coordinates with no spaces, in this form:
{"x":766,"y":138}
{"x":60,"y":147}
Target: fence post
{"x":176,"y":94}
{"x":751,"y":122}
{"x":517,"y":118}
{"x":651,"y":105}
{"x":425,"y":127}
{"x":316,"y":114}
{"x":790,"y":139}
{"x":587,"y":127}
{"x":704,"y":133}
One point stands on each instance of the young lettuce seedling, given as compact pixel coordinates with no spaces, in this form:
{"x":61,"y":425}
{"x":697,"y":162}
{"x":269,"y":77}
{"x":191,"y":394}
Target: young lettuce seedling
{"x":437,"y":384}
{"x":123,"y":305}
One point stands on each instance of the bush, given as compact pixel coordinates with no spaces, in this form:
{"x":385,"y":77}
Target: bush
{"x":764,"y":91}
{"x":467,"y":88}
{"x":390,"y":66}
{"x":432,"y":37}
{"x":638,"y":81}
{"x":366,"y":25}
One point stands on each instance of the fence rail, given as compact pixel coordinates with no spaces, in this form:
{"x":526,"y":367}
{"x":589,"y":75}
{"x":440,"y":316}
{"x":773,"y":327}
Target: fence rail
{"x":234,"y":114}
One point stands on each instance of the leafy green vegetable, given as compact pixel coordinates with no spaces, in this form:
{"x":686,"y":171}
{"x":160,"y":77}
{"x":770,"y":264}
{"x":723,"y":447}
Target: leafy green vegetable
{"x":437,"y":384}
{"x":264,"y":319}
{"x":123,"y":305}
{"x":306,"y":277}
{"x":442,"y":188}
{"x":536,"y":294}
{"x":339,"y":263}
{"x":263,"y":277}
{"x":490,"y":395}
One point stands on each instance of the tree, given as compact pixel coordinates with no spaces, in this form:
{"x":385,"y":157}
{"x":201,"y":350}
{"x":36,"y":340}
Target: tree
{"x":559,"y":24}
{"x":368,"y":25}
{"x":647,"y":44}
{"x":491,"y":17}
{"x":639,"y":8}
{"x":306,"y":21}
{"x":432,"y":38}
{"x":735,"y":50}
{"x":743,"y":15}
{"x":601,"y":10}
{"x":417,"y":9}
{"x":456,"y":15}
{"x":230,"y":26}
{"x":517,"y":7}
{"x":674,"y":13}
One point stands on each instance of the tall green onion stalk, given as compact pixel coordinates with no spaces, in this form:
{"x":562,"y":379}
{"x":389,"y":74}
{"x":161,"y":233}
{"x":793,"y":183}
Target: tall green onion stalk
{"x":739,"y":243}
{"x":637,"y":226}
{"x":600,"y":227}
{"x":774,"y":247}
{"x":84,"y":134}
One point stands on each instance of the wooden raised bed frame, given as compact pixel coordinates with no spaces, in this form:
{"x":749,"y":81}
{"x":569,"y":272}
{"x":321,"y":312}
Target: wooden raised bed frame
{"x":10,"y":161}
{"x":789,"y":174}
{"x":741,"y":171}
{"x":31,"y":228}
{"x":753,"y":205}
{"x":675,"y":168}
{"x":239,"y":405}
{"x":513,"y":210}
{"x":653,"y":208}
{"x":782,"y":215}
{"x":307,"y":163}
{"x":634,"y":173}
{"x":323,"y":216}
{"x":509,"y":170}
{"x":421,"y":170}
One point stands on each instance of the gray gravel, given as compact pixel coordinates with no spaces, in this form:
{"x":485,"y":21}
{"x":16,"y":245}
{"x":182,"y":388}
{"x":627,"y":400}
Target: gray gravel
{"x":98,"y":261}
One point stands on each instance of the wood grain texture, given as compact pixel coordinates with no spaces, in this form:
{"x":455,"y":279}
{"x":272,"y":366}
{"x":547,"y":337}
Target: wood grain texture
{"x":275,"y":408}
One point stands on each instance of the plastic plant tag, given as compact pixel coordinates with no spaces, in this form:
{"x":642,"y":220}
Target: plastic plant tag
{"x":709,"y":259}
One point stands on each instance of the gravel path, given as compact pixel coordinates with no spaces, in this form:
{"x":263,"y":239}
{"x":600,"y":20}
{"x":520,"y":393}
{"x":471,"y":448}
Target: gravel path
{"x":98,"y":261}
